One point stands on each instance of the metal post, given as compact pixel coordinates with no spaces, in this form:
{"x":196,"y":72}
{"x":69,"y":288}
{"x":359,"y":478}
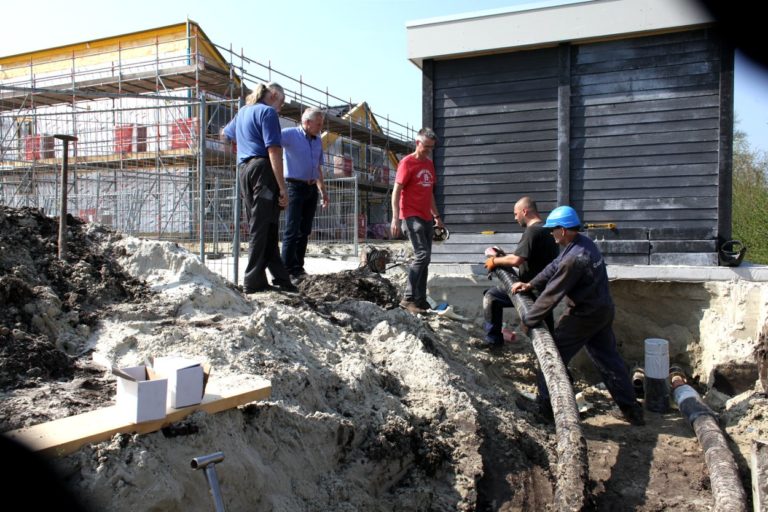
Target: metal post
{"x":63,"y":207}
{"x":201,"y":168}
{"x":216,"y":215}
{"x":208,"y":464}
{"x":357,"y":223}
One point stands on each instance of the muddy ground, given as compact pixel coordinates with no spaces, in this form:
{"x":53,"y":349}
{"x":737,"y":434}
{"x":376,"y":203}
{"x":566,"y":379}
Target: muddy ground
{"x":372,"y":408}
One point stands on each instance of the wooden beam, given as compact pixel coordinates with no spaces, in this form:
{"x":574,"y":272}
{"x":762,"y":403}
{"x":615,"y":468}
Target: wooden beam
{"x":725,"y":171}
{"x":564,"y":127}
{"x":428,"y":95}
{"x":66,"y":435}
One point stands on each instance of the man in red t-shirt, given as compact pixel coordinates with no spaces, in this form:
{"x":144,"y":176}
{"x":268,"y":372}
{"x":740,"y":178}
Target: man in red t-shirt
{"x":414,"y":211}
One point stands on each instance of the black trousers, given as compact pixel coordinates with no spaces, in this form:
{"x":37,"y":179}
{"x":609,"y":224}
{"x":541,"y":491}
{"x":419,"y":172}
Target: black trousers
{"x":261,"y":195}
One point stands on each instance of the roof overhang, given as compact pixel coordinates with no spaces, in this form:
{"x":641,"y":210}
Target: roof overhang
{"x":547,"y":24}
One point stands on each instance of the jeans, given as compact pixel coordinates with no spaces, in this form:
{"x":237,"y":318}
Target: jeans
{"x":299,"y":215}
{"x":259,"y":191}
{"x":594,"y":332}
{"x":419,"y":232}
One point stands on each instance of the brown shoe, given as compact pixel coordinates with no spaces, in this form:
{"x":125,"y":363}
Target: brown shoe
{"x":412,"y":307}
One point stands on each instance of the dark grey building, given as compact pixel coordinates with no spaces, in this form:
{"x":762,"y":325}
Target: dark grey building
{"x":621,"y":108}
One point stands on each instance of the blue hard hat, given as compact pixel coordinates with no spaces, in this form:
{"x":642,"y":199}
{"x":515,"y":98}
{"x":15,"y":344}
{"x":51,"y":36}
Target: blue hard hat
{"x":563,"y":216}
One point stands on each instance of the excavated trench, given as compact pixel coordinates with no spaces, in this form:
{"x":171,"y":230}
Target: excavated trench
{"x":372,"y":408}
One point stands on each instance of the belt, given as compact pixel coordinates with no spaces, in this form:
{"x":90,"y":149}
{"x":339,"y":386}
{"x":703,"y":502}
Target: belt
{"x":305,"y":182}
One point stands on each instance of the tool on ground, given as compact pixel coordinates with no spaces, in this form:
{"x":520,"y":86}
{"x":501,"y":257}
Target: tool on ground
{"x":607,"y":225}
{"x":66,"y":139}
{"x":208,"y":464}
{"x":378,"y":260}
{"x":732,"y":253}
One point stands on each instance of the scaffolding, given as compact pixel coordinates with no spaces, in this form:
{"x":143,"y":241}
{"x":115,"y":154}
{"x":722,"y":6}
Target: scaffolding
{"x":148,"y":109}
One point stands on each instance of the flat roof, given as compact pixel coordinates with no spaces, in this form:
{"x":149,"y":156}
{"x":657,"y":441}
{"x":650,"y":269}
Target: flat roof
{"x":548,"y":23}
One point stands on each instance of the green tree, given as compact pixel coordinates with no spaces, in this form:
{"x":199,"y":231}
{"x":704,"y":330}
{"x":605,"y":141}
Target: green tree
{"x":750,"y":198}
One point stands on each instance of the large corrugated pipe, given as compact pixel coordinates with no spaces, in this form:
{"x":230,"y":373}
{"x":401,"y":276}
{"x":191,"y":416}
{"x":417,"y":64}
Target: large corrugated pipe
{"x":572,"y":463}
{"x":727,"y":489}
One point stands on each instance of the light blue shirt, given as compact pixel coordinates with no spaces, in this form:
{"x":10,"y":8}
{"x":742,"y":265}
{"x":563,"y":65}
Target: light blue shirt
{"x":255,"y":128}
{"x":303,"y":154}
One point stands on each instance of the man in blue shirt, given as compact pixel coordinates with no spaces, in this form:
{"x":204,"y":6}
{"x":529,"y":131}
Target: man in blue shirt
{"x":256,"y":129}
{"x":304,"y":181}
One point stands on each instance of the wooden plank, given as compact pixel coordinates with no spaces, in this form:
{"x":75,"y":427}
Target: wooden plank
{"x":476,"y":138}
{"x":477,"y":238}
{"x":707,"y":68}
{"x":545,"y":200}
{"x":686,"y":158}
{"x":658,"y":246}
{"x":647,"y":171}
{"x":501,"y":75}
{"x":498,"y":147}
{"x":662,"y":258}
{"x":640,"y":96}
{"x":663,"y":116}
{"x":472,"y":250}
{"x":547,"y":110}
{"x":626,"y":259}
{"x":533,"y":156}
{"x":710,"y":146}
{"x":645,"y":61}
{"x":477,"y":227}
{"x":564,"y":125}
{"x":623,"y":246}
{"x":458,"y":258}
{"x":646,"y":139}
{"x":535,"y":129}
{"x":678,"y":233}
{"x":619,"y":233}
{"x":708,"y":81}
{"x":664,"y":104}
{"x":506,"y":114}
{"x":641,"y":46}
{"x":480,"y":186}
{"x":724,"y":203}
{"x":536,"y":169}
{"x":506,"y":89}
{"x":490,"y":64}
{"x":617,"y":192}
{"x":661,"y":183}
{"x":427,"y":94}
{"x":66,"y":435}
{"x":700,"y":218}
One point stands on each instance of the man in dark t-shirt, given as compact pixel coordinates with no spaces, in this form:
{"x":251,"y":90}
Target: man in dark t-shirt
{"x":535,"y":251}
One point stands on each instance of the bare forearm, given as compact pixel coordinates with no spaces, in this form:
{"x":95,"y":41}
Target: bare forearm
{"x":276,"y":159}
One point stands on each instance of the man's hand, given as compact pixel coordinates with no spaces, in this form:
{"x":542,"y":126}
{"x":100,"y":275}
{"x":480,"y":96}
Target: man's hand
{"x":520,"y":287}
{"x":283,"y":200}
{"x":395,"y":228}
{"x":325,"y":199}
{"x":490,"y":264}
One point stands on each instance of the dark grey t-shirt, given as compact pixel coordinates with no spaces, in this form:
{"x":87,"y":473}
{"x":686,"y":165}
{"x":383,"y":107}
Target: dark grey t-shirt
{"x":538,"y":247}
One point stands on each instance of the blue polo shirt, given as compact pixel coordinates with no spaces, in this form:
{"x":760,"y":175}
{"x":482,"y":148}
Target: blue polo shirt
{"x":255,"y":128}
{"x":303,"y":154}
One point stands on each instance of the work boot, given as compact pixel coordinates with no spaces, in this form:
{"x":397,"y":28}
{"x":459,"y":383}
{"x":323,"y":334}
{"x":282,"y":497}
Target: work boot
{"x":412,"y":307}
{"x":632,"y":414}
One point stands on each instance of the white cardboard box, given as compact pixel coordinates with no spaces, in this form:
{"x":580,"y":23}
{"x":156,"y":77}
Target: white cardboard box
{"x":141,"y":395}
{"x":186,"y":380}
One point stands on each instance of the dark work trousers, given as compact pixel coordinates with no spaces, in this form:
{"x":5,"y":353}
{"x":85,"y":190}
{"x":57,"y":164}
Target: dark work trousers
{"x":494,"y":301}
{"x":302,"y":203}
{"x":261,"y":195}
{"x":593,"y":332}
{"x":420,"y":234}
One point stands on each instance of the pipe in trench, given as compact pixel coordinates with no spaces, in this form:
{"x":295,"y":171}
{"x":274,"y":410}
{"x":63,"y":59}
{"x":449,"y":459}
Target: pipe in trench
{"x":572,"y":464}
{"x":727,"y":489}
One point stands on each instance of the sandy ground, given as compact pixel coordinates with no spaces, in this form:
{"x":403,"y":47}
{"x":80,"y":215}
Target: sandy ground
{"x":372,"y":408}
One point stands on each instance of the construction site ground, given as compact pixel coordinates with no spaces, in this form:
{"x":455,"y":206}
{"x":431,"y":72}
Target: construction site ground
{"x":372,"y":408}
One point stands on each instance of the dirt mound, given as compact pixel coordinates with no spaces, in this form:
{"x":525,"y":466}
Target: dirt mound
{"x":48,"y":307}
{"x":358,"y":284}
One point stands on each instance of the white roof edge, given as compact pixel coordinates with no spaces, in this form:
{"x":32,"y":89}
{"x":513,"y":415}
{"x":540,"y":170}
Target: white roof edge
{"x":493,"y":12}
{"x":547,"y":23}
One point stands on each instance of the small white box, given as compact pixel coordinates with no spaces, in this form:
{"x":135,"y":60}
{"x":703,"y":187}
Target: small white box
{"x":186,"y":380}
{"x":140,"y":394}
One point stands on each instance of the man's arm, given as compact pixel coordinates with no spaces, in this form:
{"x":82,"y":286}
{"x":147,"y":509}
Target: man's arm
{"x":436,"y":213}
{"x":565,"y":277}
{"x":228,"y":133}
{"x":326,"y":199}
{"x":395,"y":226}
{"x":276,"y":159}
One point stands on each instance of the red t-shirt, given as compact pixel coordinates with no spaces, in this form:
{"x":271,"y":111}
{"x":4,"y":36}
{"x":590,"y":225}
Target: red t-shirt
{"x":418,"y":179}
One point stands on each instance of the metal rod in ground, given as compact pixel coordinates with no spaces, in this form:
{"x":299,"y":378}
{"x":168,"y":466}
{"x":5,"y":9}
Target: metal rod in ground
{"x":65,"y":139}
{"x":208,"y":464}
{"x":727,"y":488}
{"x":572,"y":463}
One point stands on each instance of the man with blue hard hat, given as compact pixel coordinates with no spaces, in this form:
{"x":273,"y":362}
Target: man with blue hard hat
{"x":579,"y":275}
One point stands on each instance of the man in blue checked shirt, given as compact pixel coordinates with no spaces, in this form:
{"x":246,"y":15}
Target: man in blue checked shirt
{"x":304,"y":181}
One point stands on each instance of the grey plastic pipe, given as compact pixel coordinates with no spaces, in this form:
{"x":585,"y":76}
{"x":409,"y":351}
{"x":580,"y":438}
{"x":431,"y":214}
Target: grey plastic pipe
{"x":572,"y":462}
{"x":727,"y":489}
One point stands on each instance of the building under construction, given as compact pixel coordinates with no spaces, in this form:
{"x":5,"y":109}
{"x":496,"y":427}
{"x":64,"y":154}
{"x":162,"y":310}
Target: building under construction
{"x":147,"y":109}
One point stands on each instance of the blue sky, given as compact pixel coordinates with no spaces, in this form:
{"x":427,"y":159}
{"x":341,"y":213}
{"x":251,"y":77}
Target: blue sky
{"x":357,"y":49}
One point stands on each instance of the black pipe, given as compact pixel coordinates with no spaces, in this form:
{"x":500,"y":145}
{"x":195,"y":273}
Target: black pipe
{"x":727,"y":489}
{"x":572,"y":463}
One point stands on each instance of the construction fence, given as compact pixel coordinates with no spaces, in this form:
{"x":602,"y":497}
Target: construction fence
{"x":151,"y":166}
